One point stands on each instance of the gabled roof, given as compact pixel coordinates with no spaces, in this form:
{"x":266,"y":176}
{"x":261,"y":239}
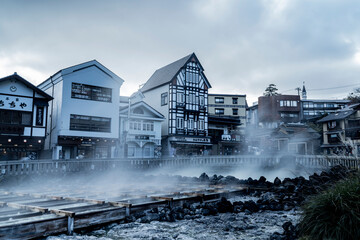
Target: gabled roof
{"x":17,"y":77}
{"x":296,"y":131}
{"x":81,"y":66}
{"x":341,"y":114}
{"x":124,"y":110}
{"x":165,"y":74}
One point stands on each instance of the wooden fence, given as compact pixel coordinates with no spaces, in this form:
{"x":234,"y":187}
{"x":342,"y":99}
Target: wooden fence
{"x":72,"y":165}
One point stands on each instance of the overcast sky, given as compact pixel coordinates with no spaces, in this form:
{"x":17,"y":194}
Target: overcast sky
{"x":243,"y":45}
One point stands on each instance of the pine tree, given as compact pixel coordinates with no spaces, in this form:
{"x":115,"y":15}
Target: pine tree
{"x":271,"y":90}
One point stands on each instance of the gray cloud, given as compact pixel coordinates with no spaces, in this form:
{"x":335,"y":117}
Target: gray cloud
{"x":243,"y":45}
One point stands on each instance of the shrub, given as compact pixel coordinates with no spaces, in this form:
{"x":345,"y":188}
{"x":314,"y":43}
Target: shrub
{"x":333,"y":214}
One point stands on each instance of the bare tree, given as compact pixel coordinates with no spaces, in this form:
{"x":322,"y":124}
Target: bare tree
{"x":354,"y":96}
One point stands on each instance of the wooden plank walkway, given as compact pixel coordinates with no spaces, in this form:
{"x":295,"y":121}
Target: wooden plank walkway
{"x":26,"y":215}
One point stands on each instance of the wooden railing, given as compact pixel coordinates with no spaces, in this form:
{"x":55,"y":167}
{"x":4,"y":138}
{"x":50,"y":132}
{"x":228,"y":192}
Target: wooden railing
{"x":72,"y":165}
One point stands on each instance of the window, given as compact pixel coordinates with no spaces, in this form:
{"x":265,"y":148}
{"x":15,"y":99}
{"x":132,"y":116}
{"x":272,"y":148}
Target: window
{"x":191,"y":124}
{"x":15,"y":117}
{"x":89,"y":123}
{"x":235,"y":111}
{"x":235,"y":100}
{"x":288,"y":103}
{"x":191,"y":98}
{"x":289,"y":115}
{"x":137,"y":125}
{"x":201,"y":125}
{"x":179,"y":123}
{"x":147,"y":151}
{"x":219,"y":111}
{"x":192,"y":73}
{"x":88,"y":92}
{"x":164,"y":99}
{"x":131,"y":151}
{"x":331,"y":124}
{"x":180,"y":97}
{"x":148,"y":126}
{"x":202,"y":100}
{"x":219,"y":100}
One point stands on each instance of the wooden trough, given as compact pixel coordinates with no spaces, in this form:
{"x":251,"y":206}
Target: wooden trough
{"x":27,"y":215}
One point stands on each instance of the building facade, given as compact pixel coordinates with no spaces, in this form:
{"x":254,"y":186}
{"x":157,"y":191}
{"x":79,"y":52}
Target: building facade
{"x":227,"y":121}
{"x":341,"y":131}
{"x":179,"y":91}
{"x":226,"y":135}
{"x":140,"y":131}
{"x":252,"y":119}
{"x":315,"y":109}
{"x":23,"y":111}
{"x":277,"y":109}
{"x":295,"y":138}
{"x":84,"y":115}
{"x":228,"y":105}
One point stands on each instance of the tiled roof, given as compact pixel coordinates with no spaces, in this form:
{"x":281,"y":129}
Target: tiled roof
{"x":165,"y":74}
{"x":337,"y":116}
{"x":27,"y":83}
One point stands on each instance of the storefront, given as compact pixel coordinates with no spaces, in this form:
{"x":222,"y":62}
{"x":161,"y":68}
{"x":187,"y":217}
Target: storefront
{"x":23,"y":114}
{"x":189,"y":146}
{"x":81,"y":147}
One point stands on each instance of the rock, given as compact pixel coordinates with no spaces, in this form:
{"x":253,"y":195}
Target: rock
{"x":224,"y":206}
{"x":204,"y":177}
{"x":288,"y":226}
{"x":262,"y":179}
{"x":251,"y":206}
{"x":186,"y":205}
{"x":277,"y":181}
{"x":155,"y":210}
{"x":276,"y":236}
{"x":287,"y":182}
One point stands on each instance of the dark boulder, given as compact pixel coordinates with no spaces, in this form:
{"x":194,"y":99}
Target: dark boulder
{"x":204,"y":177}
{"x":262,"y":179}
{"x":277,"y":181}
{"x":224,"y":206}
{"x":251,"y":206}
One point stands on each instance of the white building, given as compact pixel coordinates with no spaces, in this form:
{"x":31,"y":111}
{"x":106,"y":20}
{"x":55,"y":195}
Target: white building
{"x":23,"y":110}
{"x":84,"y":115}
{"x":179,"y":91}
{"x":140,"y":131}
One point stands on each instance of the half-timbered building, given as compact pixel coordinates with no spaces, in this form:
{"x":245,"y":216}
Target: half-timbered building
{"x":23,"y":110}
{"x":179,"y":91}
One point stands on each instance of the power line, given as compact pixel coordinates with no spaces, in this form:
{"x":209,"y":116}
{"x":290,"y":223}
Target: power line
{"x":323,"y":89}
{"x":344,"y":86}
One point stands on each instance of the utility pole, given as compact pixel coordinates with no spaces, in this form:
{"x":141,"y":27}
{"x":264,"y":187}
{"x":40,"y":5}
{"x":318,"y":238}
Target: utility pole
{"x":298,"y":90}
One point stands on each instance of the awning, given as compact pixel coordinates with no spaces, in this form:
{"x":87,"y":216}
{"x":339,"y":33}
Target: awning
{"x":332,"y":145}
{"x":189,"y":143}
